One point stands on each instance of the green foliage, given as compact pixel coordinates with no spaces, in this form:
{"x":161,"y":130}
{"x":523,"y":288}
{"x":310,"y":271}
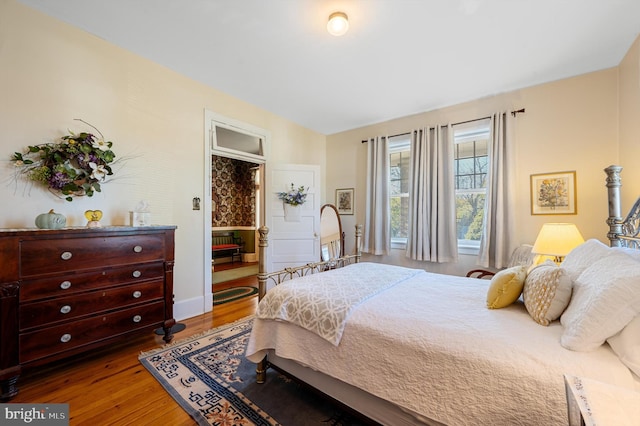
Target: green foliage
{"x":470,"y":215}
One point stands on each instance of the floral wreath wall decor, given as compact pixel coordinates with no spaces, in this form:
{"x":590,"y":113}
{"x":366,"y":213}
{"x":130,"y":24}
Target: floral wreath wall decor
{"x":75,"y":166}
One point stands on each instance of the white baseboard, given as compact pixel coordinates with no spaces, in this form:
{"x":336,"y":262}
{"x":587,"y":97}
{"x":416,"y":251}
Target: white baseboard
{"x":192,"y":307}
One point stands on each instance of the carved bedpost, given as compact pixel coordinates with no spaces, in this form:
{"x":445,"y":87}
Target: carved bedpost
{"x":613,"y":191}
{"x":358,"y":241}
{"x":263,"y":243}
{"x":262,"y":263}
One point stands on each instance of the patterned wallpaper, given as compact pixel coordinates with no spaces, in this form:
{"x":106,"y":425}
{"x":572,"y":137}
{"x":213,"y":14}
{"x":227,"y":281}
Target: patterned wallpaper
{"x":233,"y":189}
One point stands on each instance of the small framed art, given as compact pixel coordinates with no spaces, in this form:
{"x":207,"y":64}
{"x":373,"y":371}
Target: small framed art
{"x":345,"y":200}
{"x":553,"y":193}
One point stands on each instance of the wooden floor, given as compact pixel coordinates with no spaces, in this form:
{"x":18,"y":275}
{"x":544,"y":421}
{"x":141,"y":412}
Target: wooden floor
{"x":110,"y":386}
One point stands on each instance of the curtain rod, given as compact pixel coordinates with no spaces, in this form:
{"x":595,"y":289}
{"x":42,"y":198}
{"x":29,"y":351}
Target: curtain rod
{"x":513,"y":113}
{"x":392,"y":136}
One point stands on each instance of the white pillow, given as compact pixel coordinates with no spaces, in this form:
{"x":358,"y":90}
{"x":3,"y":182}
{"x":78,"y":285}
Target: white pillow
{"x":546,"y":294}
{"x":635,"y":253}
{"x":581,"y":257}
{"x":626,"y":345}
{"x":606,"y":297}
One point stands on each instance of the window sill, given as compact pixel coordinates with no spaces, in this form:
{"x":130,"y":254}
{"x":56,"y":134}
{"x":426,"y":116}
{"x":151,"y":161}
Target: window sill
{"x":470,"y":250}
{"x":398,"y":246}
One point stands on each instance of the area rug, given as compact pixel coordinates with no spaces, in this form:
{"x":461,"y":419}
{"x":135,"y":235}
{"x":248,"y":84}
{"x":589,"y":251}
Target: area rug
{"x":233,"y":293}
{"x":209,"y":376}
{"x":233,"y":274}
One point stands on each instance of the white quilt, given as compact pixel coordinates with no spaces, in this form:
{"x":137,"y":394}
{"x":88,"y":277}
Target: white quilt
{"x":322,"y":302}
{"x":430,"y":346}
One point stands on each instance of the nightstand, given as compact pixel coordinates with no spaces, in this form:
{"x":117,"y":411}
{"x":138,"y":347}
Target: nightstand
{"x":590,"y":403}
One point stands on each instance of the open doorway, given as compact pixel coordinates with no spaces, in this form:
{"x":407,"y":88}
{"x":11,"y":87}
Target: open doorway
{"x":235,"y":203}
{"x":235,"y":208}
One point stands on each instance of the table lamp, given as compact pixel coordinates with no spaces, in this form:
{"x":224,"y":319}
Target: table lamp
{"x":557,"y":239}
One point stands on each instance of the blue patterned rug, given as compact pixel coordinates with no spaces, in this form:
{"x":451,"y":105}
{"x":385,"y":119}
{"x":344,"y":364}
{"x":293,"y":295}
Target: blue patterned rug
{"x":209,"y":376}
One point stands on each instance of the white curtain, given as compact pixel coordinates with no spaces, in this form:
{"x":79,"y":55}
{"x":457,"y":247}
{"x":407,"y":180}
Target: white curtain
{"x":432,"y":206}
{"x":495,"y":243}
{"x":377,"y":237}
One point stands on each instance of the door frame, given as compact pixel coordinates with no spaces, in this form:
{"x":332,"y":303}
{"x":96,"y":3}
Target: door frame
{"x":211,"y":119}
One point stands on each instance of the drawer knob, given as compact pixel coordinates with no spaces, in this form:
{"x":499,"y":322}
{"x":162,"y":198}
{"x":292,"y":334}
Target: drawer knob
{"x":65,"y":309}
{"x":65,"y":338}
{"x":136,"y":274}
{"x":65,"y":285}
{"x":137,"y":318}
{"x":137,"y":249}
{"x":137,"y":294}
{"x":66,"y":255}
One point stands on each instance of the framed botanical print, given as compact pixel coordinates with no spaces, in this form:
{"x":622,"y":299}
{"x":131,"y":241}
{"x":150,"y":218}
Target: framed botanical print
{"x":553,"y":193}
{"x":345,"y":200}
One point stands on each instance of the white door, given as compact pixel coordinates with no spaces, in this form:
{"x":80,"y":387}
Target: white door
{"x":292,"y":243}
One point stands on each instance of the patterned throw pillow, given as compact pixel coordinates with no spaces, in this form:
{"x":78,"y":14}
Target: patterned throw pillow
{"x":506,"y":287}
{"x":547,"y":292}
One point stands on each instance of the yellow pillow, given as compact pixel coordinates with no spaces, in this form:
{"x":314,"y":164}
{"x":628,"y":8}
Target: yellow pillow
{"x":506,"y":286}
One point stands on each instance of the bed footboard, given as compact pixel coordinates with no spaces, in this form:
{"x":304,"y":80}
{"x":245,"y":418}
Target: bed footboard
{"x":286,"y":274}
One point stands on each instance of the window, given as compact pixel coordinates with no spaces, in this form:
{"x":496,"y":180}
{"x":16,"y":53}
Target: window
{"x":470,"y":169}
{"x":399,"y":149}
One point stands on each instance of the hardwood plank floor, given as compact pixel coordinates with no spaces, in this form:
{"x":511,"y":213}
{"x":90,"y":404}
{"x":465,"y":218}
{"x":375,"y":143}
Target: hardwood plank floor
{"x":109,"y":386}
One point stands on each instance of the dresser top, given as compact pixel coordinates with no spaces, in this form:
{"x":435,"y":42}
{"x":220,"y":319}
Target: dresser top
{"x":84,"y":229}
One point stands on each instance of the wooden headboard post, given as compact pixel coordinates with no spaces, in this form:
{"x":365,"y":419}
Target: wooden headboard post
{"x":613,"y":191}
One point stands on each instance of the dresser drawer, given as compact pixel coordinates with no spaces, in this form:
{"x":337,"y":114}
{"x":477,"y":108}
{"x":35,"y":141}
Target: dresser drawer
{"x":53,"y":340}
{"x":52,"y":311}
{"x":47,"y":256}
{"x":71,"y":283}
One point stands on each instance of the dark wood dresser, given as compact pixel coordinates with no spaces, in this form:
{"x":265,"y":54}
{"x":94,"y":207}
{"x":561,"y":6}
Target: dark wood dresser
{"x":67,"y":291}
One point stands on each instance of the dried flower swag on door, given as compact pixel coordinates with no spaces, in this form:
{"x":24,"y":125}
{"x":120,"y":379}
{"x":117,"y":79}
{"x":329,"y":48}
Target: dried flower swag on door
{"x":75,"y":166}
{"x":295,"y":196}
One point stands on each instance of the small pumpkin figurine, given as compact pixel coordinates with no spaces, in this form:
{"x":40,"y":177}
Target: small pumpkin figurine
{"x":51,"y":220}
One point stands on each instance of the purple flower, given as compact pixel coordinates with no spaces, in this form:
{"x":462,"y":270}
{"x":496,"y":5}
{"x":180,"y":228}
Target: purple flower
{"x":58,"y":180}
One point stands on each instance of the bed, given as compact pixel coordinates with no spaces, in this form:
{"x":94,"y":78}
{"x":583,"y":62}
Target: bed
{"x":422,"y":348}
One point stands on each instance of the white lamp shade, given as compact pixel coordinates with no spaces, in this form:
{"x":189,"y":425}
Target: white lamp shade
{"x":557,"y":239}
{"x":338,"y":23}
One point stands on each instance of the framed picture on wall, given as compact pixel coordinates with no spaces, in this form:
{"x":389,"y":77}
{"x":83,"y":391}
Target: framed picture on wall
{"x":345,"y":200}
{"x":553,"y":193}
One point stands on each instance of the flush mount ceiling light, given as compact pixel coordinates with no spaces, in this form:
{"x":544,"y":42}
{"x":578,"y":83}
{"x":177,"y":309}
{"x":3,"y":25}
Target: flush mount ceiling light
{"x":338,"y":23}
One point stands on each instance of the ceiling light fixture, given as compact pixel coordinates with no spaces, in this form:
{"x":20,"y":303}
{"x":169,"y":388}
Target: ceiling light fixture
{"x":338,"y":23}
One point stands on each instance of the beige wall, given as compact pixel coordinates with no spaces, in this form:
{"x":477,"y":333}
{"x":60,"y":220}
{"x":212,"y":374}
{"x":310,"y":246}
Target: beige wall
{"x":568,"y":125}
{"x":155,"y":118}
{"x":52,"y":73}
{"x":629,"y":90}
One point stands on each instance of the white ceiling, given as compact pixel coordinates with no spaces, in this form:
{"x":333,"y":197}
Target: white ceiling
{"x":399,"y":57}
